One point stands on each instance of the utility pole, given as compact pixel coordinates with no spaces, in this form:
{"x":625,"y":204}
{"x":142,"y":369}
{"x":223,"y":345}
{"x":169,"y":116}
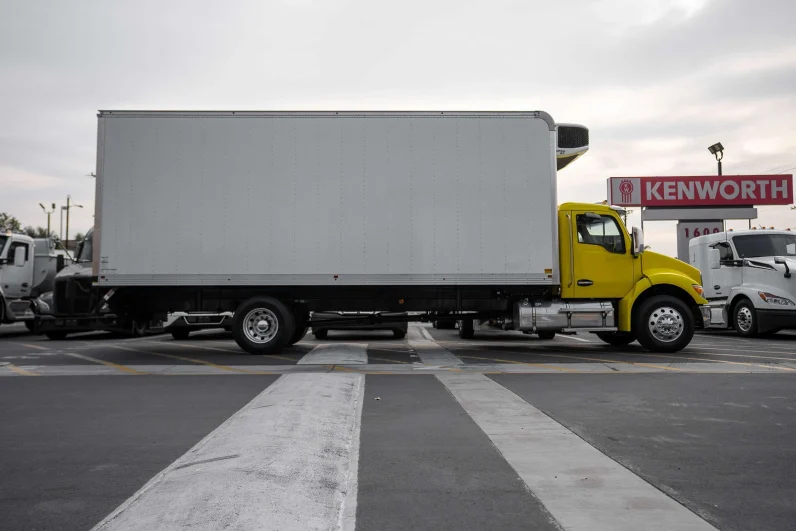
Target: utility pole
{"x":49,"y":213}
{"x":68,"y":207}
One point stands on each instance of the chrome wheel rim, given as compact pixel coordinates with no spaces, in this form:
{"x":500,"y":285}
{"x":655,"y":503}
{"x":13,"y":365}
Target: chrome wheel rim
{"x":260,"y":326}
{"x":666,"y":324}
{"x":744,"y":319}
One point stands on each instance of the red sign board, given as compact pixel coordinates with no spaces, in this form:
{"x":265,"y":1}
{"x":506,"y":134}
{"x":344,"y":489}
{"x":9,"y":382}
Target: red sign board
{"x":729,"y":190}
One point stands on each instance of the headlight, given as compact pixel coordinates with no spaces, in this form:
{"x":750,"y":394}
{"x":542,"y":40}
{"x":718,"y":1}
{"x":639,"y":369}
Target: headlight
{"x":698,"y":289}
{"x":773,"y":299}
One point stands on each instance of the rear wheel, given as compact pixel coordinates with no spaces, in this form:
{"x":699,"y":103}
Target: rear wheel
{"x":30,"y":325}
{"x":664,"y":324}
{"x":56,"y":336}
{"x":302,"y":317}
{"x":616,"y":339}
{"x":299,"y":334}
{"x":263,"y":325}
{"x":321,"y":333}
{"x":466,"y":330}
{"x":745,"y":319}
{"x":546,"y":335}
{"x":180,"y":334}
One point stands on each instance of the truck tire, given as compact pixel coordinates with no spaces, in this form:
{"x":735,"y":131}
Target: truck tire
{"x":30,"y":325}
{"x":399,"y":333}
{"x":56,"y":336}
{"x":466,"y":330}
{"x":546,"y":335}
{"x":616,"y":339}
{"x":180,"y":334}
{"x":263,"y":325}
{"x":744,"y":318}
{"x":664,"y":324}
{"x":298,"y":335}
{"x":320,"y":333}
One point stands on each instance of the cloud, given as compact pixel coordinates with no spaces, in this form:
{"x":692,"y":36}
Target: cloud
{"x":655,"y":81}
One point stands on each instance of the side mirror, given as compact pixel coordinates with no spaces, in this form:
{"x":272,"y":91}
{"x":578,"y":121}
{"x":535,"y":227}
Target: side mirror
{"x":714,"y":259}
{"x":19,"y":256}
{"x":60,"y":263}
{"x":637,"y":239}
{"x":781,"y":261}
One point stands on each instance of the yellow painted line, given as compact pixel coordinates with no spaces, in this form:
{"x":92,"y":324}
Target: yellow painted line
{"x":749,"y":356}
{"x":545,"y":366}
{"x":116,"y":366}
{"x":385,"y":359}
{"x":294,"y":360}
{"x":183,"y":358}
{"x":603,"y":360}
{"x":37,"y":347}
{"x":676,"y":356}
{"x":20,"y":371}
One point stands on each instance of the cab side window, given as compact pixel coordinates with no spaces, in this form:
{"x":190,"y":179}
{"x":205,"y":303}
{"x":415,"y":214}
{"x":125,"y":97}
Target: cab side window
{"x":604,"y":231}
{"x":13,"y":249}
{"x":725,"y":252}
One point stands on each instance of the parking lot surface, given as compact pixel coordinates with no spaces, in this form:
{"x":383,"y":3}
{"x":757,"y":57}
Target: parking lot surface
{"x":364,"y":431}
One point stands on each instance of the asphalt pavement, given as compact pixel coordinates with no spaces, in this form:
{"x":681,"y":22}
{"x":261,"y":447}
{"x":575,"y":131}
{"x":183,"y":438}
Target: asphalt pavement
{"x":364,"y":431}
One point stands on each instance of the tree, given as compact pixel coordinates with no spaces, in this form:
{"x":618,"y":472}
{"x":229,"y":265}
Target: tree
{"x":30,"y":231}
{"x":38,"y":232}
{"x":78,"y":237}
{"x":9,"y":222}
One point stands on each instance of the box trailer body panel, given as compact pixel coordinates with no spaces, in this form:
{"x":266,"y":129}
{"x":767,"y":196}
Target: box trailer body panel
{"x":226,"y":199}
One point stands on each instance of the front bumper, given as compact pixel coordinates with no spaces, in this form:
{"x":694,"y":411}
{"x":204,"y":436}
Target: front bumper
{"x":768,"y":320}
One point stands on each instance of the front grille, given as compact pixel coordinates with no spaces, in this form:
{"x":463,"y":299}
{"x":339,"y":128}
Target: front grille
{"x":572,"y":137}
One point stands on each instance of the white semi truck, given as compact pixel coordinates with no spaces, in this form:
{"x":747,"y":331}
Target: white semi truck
{"x":749,"y":280}
{"x":27,"y":269}
{"x":398,"y":215}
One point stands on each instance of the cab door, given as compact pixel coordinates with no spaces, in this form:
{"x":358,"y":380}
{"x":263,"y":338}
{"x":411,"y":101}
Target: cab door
{"x":17,"y":279}
{"x":602,"y":257}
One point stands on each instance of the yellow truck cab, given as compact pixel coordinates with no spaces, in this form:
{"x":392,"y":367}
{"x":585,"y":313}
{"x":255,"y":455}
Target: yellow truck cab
{"x":656,"y":298}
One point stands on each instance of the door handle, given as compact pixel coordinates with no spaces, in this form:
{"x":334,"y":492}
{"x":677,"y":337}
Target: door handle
{"x":585,"y":282}
{"x":716,"y":287}
{"x":25,"y":284}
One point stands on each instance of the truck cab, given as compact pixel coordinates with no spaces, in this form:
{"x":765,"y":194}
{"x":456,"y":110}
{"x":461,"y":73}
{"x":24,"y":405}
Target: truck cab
{"x":748,"y":278}
{"x":27,"y":269}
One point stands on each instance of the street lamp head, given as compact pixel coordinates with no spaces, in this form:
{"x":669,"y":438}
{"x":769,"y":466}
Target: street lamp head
{"x":42,"y":207}
{"x":717,"y":150}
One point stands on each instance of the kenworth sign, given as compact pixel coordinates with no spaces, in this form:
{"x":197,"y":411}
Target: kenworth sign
{"x":730,"y":190}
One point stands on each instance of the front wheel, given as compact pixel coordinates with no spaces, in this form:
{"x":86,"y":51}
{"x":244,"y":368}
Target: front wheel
{"x":30,"y":325}
{"x":321,"y":333}
{"x":56,"y":336}
{"x":745,"y":319}
{"x":263,"y":325}
{"x":616,"y":339}
{"x":399,"y":333}
{"x":546,"y":335}
{"x":664,"y":324}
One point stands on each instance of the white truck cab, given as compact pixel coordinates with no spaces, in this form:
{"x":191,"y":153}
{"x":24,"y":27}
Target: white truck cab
{"x":27,"y":269}
{"x":749,"y":281}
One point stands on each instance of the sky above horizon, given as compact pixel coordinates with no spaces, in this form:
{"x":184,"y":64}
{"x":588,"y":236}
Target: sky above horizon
{"x":656,"y":81}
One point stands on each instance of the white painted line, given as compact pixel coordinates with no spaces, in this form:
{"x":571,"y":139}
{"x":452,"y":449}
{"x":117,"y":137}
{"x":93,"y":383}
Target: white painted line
{"x":574,"y":338}
{"x":336,"y":354}
{"x":581,"y":487}
{"x":286,"y":461}
{"x":429,"y":351}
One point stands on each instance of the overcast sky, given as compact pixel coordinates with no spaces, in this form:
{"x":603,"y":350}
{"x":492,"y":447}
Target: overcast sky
{"x":656,"y":81}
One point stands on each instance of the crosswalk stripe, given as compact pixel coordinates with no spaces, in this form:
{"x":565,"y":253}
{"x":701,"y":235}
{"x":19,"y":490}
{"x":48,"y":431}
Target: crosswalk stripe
{"x":336,"y":354}
{"x":429,"y":351}
{"x":287,"y":461}
{"x":582,"y":488}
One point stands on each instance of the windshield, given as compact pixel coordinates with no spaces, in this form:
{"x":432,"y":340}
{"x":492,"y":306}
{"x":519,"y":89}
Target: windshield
{"x":756,"y":245}
{"x":85,"y":251}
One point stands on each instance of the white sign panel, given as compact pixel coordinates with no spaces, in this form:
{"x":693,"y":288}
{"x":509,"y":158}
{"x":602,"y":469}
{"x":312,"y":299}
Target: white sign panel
{"x":687,"y":231}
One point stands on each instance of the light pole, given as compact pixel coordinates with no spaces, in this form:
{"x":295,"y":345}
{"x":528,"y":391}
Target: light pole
{"x":717,"y":150}
{"x":67,"y":208}
{"x":49,"y":234}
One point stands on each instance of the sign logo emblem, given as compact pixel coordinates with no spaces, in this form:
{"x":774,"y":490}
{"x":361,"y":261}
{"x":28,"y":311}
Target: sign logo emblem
{"x":626,"y":188}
